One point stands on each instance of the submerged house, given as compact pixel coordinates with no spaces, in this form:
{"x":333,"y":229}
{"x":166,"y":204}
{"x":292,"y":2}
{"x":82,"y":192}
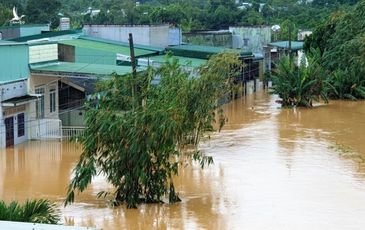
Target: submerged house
{"x":25,"y":113}
{"x":14,"y":98}
{"x":46,"y":78}
{"x":251,"y":76}
{"x":280,"y":49}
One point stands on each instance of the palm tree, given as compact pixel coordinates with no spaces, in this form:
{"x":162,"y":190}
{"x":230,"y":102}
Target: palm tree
{"x":300,"y":85}
{"x":34,"y":211}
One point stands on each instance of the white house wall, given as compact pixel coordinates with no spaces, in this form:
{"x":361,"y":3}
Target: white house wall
{"x":48,"y":83}
{"x":8,"y":91}
{"x":14,"y":89}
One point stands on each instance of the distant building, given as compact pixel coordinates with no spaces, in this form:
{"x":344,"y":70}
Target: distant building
{"x":303,"y":33}
{"x":251,"y":38}
{"x":65,"y":23}
{"x":92,"y":12}
{"x":150,"y":35}
{"x":15,"y":31}
{"x":281,"y":48}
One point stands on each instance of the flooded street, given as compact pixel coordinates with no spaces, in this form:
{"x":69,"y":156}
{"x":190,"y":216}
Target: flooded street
{"x":274,"y":169}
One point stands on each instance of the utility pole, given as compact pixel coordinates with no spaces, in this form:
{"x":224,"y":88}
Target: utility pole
{"x":134,"y":66}
{"x":290,"y":56}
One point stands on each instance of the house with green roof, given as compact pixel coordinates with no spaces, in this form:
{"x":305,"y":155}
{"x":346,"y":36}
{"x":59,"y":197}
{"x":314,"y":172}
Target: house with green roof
{"x":252,"y":72}
{"x":15,"y":101}
{"x":279,"y":49}
{"x":99,"y":51}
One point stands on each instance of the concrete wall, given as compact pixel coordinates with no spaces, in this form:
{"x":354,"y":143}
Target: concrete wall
{"x":209,"y":39}
{"x":256,"y":38}
{"x":66,"y":53}
{"x":32,"y":30}
{"x":175,"y":36}
{"x":13,"y":89}
{"x":9,"y":32}
{"x":13,"y":62}
{"x":159,"y":36}
{"x":15,"y":31}
{"x":142,"y":34}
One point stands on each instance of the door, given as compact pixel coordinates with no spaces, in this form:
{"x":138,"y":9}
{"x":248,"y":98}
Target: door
{"x":9,"y":127}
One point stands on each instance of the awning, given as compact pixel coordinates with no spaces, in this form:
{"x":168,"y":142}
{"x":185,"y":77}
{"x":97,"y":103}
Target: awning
{"x":16,"y":101}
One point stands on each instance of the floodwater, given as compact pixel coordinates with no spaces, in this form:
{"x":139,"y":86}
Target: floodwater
{"x":274,"y":169}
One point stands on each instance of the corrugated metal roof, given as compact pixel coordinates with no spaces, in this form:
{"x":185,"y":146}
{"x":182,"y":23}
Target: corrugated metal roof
{"x":81,"y":68}
{"x":184,"y":61}
{"x":151,"y":48}
{"x":285,"y":45}
{"x":107,"y":47}
{"x":203,"y":52}
{"x":15,"y":101}
{"x":198,"y":48}
{"x":7,"y":43}
{"x":23,"y":26}
{"x":46,"y":35}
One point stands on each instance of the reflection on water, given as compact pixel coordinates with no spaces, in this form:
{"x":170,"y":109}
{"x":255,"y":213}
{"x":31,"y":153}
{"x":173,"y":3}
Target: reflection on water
{"x":274,"y":169}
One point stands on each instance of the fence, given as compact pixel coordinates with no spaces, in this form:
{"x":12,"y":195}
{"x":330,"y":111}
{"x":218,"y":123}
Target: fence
{"x":72,"y":131}
{"x":45,"y":129}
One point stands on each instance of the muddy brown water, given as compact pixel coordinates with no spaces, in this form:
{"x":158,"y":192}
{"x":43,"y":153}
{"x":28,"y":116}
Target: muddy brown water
{"x":274,"y":169}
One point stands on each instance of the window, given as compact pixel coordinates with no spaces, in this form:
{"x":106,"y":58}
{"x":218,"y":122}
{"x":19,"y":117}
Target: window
{"x":245,"y":41}
{"x":21,"y":127}
{"x":40,"y":103}
{"x":52,"y":100}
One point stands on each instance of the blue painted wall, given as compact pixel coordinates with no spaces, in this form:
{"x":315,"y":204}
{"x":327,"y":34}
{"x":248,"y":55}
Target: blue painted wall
{"x":13,"y":62}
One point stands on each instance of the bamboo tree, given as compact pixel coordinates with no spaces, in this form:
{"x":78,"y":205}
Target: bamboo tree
{"x":139,"y":150}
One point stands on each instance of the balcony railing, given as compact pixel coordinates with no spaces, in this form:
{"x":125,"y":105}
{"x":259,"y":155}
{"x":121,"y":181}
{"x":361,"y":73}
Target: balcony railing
{"x":72,"y":131}
{"x":45,"y":129}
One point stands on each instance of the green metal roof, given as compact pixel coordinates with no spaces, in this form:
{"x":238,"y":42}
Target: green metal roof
{"x":45,"y":35}
{"x":199,"y":48}
{"x":202,"y":52}
{"x":151,"y":48}
{"x":7,"y":43}
{"x":106,"y":47}
{"x":285,"y":45}
{"x":184,"y":61}
{"x":23,"y":26}
{"x":81,"y":68}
